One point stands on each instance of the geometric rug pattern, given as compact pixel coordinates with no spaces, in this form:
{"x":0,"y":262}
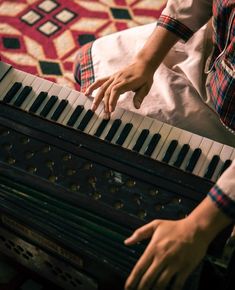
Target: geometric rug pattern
{"x":43,"y":36}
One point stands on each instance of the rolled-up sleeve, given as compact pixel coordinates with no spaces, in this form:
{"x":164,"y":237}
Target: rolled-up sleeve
{"x":185,"y":17}
{"x":223,"y":193}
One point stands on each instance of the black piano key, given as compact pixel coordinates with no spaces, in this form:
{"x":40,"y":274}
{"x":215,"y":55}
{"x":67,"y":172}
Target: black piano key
{"x":22,"y":96}
{"x":181,"y":156}
{"x":37,"y":103}
{"x":101,"y":127}
{"x":116,"y":124}
{"x":152,"y":144}
{"x":140,"y":141}
{"x":123,"y":135}
{"x":12,"y":92}
{"x":225,"y":166}
{"x":51,"y":102}
{"x":170,"y":150}
{"x":212,"y":166}
{"x":59,"y":110}
{"x":85,"y":120}
{"x":4,"y":69}
{"x":193,"y":159}
{"x":75,"y":115}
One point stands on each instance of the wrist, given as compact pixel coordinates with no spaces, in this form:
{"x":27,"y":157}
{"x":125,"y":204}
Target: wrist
{"x":208,"y":220}
{"x":148,"y":61}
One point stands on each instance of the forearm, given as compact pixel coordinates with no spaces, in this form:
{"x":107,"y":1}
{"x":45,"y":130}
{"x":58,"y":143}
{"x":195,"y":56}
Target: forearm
{"x":157,"y":47}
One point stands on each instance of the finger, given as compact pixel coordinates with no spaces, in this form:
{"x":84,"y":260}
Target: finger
{"x":115,"y":92}
{"x":100,"y":94}
{"x":139,"y":96}
{"x":107,"y":95}
{"x":141,"y":266}
{"x":179,"y":281}
{"x":95,"y":85}
{"x":106,"y":104}
{"x":120,"y":88}
{"x":150,"y":276}
{"x":142,"y":233}
{"x":163,"y":280}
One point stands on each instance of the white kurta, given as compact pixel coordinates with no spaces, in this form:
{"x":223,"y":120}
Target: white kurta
{"x":178,"y":95}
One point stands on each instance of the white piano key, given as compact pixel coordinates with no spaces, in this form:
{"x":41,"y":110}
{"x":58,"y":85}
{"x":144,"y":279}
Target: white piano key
{"x":4,"y":70}
{"x":43,"y":86}
{"x":27,"y":81}
{"x":94,"y":118}
{"x":31,"y":97}
{"x":55,"y":90}
{"x":173,"y":135}
{"x":214,"y":150}
{"x":154,"y":129}
{"x":117,"y":114}
{"x":205,"y":146}
{"x":13,"y":76}
{"x":71,"y":97}
{"x":87,"y":105}
{"x":136,"y":120}
{"x":184,"y":138}
{"x":126,"y":118}
{"x":164,"y":132}
{"x":145,"y":124}
{"x":225,"y":154}
{"x":233,"y":155}
{"x":99,"y":118}
{"x":5,"y":82}
{"x":80,"y":101}
{"x":194,"y":143}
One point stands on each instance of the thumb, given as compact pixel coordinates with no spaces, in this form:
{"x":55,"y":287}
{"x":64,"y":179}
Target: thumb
{"x":142,"y":233}
{"x":139,"y":96}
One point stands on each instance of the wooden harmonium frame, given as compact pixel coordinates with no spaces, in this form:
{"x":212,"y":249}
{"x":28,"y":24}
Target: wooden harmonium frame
{"x":68,"y":200}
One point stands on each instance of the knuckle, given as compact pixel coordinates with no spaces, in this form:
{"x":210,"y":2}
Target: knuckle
{"x":103,"y":87}
{"x":115,"y":89}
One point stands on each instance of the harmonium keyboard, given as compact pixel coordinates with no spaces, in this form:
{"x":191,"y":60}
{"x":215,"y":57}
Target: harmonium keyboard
{"x":73,"y":186}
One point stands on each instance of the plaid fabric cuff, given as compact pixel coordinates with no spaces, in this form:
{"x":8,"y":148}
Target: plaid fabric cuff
{"x":175,"y":26}
{"x":83,"y":69}
{"x":223,"y":201}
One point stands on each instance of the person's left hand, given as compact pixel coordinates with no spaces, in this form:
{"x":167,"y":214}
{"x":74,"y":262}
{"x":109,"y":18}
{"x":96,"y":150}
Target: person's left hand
{"x":175,"y":249}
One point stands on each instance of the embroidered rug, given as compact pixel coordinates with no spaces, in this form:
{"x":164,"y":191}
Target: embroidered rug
{"x":42,"y":36}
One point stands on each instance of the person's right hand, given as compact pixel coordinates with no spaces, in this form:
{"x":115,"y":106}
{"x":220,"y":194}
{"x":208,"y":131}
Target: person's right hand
{"x":137,"y":77}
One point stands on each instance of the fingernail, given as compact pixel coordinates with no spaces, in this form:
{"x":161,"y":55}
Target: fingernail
{"x":93,"y":107}
{"x":137,"y":104}
{"x":106,"y":116}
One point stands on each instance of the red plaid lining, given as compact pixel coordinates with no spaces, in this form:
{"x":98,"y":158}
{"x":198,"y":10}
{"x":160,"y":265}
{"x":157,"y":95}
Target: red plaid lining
{"x":222,"y":91}
{"x":83,"y":69}
{"x":175,"y":26}
{"x":226,"y":204}
{"x":222,"y":83}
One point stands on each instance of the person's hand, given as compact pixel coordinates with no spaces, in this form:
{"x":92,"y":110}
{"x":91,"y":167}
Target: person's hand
{"x":173,"y":253}
{"x":137,"y":77}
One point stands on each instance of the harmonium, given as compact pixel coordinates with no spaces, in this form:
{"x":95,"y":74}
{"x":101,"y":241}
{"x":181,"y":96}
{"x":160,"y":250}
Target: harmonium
{"x":74,"y":186}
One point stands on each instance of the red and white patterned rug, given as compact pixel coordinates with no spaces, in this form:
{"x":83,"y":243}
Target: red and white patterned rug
{"x":42,"y":36}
